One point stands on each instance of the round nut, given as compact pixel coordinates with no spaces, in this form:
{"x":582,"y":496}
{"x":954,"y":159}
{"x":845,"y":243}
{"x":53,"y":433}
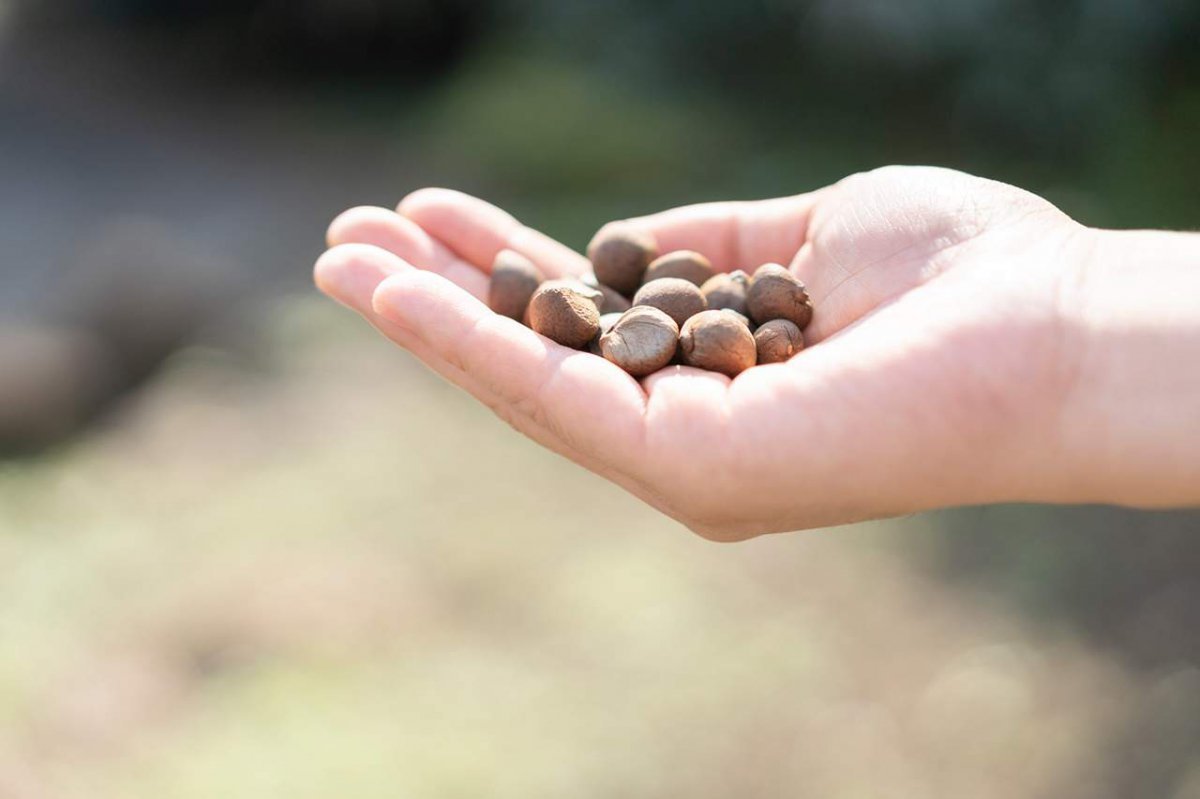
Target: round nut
{"x":778,"y":340}
{"x":686,"y":264}
{"x":673,"y":295}
{"x":642,"y":341}
{"x":565,"y":312}
{"x":514,"y":279}
{"x":612,"y":301}
{"x":620,"y":255}
{"x":717,"y":341}
{"x":775,"y":293}
{"x":727,"y":290}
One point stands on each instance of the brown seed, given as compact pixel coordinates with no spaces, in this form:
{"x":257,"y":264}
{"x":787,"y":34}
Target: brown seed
{"x":620,"y":255}
{"x":643,"y":341}
{"x":613,"y":301}
{"x":727,"y":290}
{"x":717,"y":341}
{"x":575,"y":284}
{"x":691,"y":266}
{"x":607,"y":320}
{"x":565,"y":311}
{"x":775,"y":293}
{"x":674,"y":295}
{"x":778,"y":340}
{"x":514,"y":279}
{"x":741,"y":317}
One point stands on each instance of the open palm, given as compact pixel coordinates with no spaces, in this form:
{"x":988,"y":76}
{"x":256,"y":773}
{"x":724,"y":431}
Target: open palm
{"x":935,"y":356}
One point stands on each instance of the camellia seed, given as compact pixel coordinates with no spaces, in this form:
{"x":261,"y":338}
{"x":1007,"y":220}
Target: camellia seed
{"x":778,"y":340}
{"x":620,"y":255}
{"x":642,"y":341}
{"x":727,"y":290}
{"x":775,"y":293}
{"x":678,"y":298}
{"x":514,"y":280}
{"x":566,"y":312}
{"x":717,"y":341}
{"x":613,"y":301}
{"x":686,"y":264}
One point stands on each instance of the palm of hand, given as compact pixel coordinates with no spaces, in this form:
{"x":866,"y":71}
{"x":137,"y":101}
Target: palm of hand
{"x":934,"y":323}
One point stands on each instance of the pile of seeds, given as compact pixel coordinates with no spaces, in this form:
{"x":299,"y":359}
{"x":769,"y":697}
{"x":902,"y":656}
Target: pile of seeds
{"x":644,"y":311}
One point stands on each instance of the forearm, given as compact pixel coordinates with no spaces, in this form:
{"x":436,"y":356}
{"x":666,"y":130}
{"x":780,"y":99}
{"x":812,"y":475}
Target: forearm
{"x":1132,"y":416}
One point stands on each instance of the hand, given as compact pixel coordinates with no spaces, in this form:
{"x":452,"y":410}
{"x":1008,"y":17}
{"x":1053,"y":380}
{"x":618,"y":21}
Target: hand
{"x":936,"y":369}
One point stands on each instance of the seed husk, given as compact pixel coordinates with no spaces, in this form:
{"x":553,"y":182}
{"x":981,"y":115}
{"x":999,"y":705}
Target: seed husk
{"x":514,"y":280}
{"x":678,"y":298}
{"x":717,"y":341}
{"x":642,"y":341}
{"x":778,"y":340}
{"x":686,"y":264}
{"x":775,"y":293}
{"x":619,"y":255}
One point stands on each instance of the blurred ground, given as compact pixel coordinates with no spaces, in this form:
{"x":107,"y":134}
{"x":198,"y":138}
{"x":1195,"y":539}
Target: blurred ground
{"x":279,"y":559}
{"x":344,"y":578}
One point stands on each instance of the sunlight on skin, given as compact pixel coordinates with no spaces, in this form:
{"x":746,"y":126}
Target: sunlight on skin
{"x":939,"y":362}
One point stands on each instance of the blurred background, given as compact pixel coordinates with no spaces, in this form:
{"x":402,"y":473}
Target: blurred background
{"x":247,"y":549}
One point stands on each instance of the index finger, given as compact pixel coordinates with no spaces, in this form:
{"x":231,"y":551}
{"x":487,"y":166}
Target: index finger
{"x":732,"y":235}
{"x":585,"y":402}
{"x":477,"y":230}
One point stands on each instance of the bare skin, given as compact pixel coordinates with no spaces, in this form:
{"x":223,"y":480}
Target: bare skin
{"x":971,"y":344}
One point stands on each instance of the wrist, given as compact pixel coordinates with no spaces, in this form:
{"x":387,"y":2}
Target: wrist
{"x":1130,"y":416}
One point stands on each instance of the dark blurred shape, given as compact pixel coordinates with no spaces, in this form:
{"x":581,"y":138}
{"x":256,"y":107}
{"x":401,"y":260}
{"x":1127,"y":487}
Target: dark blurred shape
{"x":139,"y":296}
{"x":144,"y":294}
{"x":53,"y":379}
{"x":296,"y":39}
{"x":151,"y":188}
{"x":1128,"y":579}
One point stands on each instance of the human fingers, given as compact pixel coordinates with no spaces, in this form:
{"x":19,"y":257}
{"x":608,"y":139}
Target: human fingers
{"x":477,"y":230}
{"x":406,"y":239}
{"x":732,"y":235}
{"x":590,"y":406}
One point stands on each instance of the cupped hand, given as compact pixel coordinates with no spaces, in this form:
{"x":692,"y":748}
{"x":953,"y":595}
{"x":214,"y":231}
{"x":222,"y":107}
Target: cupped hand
{"x":935,"y":372}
